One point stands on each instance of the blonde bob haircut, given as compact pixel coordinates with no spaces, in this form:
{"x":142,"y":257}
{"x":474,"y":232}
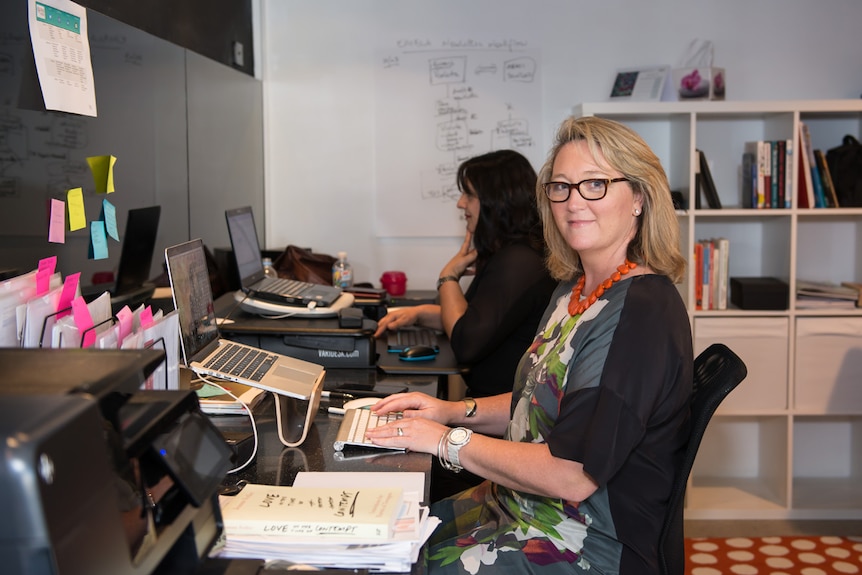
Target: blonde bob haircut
{"x":656,"y":241}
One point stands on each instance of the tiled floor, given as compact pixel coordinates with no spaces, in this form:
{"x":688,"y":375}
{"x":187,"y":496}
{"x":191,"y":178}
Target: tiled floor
{"x":709,"y":528}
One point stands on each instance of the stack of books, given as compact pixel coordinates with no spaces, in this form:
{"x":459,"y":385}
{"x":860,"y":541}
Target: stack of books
{"x":767,"y":174}
{"x":816,"y":189}
{"x":818,"y":295}
{"x":330,"y":520}
{"x":711,"y":262}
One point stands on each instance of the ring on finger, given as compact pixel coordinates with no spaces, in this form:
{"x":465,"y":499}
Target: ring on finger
{"x":400,"y":431}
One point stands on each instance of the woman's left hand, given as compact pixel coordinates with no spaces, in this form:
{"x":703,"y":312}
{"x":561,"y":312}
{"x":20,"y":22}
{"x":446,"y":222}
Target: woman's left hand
{"x":460,"y":263}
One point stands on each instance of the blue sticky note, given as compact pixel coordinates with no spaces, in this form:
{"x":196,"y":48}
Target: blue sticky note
{"x":98,"y":241}
{"x":109,"y":216}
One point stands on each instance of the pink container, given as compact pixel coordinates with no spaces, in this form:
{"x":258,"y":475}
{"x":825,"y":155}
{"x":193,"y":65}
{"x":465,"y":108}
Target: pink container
{"x":394,"y":282}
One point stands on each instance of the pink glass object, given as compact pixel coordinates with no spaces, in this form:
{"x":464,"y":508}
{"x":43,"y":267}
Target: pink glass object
{"x":395,"y":283}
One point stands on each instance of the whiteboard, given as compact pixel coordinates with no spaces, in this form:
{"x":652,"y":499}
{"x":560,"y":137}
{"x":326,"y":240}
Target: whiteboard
{"x":445,"y":102}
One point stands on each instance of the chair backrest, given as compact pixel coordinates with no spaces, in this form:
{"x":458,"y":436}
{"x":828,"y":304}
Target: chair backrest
{"x":717,"y":371}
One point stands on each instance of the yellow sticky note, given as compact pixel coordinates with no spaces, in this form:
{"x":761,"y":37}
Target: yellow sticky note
{"x":102,"y":168}
{"x":77,"y":217}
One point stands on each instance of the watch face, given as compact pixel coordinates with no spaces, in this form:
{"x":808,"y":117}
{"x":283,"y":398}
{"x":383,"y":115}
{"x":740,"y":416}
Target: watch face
{"x":458,"y":435}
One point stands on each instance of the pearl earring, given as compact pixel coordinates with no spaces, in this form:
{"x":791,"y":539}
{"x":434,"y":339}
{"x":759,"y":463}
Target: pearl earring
{"x":637,"y":212}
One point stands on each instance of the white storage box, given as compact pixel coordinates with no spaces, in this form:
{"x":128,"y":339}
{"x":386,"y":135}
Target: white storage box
{"x":762,"y":343}
{"x":829,"y":365}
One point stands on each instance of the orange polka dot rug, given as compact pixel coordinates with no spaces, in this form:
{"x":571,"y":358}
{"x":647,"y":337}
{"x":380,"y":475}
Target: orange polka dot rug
{"x":815,"y":555}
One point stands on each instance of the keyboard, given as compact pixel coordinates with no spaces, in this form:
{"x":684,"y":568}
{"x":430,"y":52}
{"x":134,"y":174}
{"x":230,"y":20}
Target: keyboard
{"x":241,"y":361}
{"x":285,"y":287}
{"x":409,"y":336}
{"x":353,"y":426}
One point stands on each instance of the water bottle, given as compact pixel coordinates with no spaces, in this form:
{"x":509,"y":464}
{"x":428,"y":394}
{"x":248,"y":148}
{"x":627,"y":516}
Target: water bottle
{"x":342,"y":273}
{"x":269,"y":269}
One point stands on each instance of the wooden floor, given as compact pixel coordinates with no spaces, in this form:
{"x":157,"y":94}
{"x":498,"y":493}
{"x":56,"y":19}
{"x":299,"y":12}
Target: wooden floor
{"x":710,"y":528}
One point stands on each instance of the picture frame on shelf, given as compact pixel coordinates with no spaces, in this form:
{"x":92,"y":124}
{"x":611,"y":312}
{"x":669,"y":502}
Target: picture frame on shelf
{"x":645,"y":84}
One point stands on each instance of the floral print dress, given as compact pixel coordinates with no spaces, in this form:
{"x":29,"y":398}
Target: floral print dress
{"x":608,"y":388}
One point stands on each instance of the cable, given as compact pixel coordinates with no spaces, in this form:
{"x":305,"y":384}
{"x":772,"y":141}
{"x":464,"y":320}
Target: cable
{"x":250,"y":416}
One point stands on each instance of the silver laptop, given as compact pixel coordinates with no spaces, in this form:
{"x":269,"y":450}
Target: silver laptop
{"x":205,"y":352}
{"x":254,"y":283}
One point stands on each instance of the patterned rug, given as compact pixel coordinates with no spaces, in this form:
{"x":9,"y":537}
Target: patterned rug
{"x":774,"y":556}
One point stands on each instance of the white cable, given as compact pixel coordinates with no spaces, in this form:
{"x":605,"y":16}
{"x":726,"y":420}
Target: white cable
{"x":250,"y":416}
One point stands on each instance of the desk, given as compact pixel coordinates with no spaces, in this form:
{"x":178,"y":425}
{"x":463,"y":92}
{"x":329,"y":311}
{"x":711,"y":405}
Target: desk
{"x":275,"y":464}
{"x":284,"y":335}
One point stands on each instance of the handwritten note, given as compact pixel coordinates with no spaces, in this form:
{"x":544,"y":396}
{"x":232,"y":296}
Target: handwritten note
{"x":57,"y":222}
{"x":447,"y":100}
{"x":77,"y":215}
{"x":98,"y":241}
{"x":109,"y":216}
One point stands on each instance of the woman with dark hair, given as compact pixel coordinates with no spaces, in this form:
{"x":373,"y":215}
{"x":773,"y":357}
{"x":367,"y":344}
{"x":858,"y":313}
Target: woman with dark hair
{"x":492,"y":324}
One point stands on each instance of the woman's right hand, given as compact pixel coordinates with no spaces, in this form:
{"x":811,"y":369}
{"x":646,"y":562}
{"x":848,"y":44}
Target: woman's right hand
{"x":397,"y":318}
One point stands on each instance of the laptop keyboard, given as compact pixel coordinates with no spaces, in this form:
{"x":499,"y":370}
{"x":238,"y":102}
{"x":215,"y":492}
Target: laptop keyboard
{"x":241,"y":361}
{"x":406,"y":337}
{"x":356,"y":422}
{"x":288,"y":287}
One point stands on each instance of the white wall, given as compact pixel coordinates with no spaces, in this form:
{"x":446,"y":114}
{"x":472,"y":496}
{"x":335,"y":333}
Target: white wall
{"x":319,"y":94}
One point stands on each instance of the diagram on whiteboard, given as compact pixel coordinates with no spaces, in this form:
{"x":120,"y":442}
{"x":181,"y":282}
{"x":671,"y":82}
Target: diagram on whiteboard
{"x":438,"y":105}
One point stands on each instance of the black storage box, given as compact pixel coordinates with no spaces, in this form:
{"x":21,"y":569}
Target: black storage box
{"x":759,"y":293}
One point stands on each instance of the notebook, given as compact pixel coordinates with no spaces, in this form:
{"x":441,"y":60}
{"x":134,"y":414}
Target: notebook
{"x":136,"y":258}
{"x":205,"y":352}
{"x":254,"y":283}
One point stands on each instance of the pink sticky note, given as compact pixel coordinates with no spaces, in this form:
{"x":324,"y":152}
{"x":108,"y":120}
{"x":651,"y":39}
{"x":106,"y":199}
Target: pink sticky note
{"x":43,"y":274}
{"x":125,"y":317}
{"x":57,"y":224}
{"x":83,"y":321}
{"x":146,"y":317}
{"x":70,"y":288}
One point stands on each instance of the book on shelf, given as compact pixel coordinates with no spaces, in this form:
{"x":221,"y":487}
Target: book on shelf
{"x":749,"y":180}
{"x":721,"y":279}
{"x":788,"y":173}
{"x":289,"y":513}
{"x":761,"y":154}
{"x":826,"y":179}
{"x":698,"y":275}
{"x":707,"y":184}
{"x":804,"y":183}
{"x":777,"y":171}
{"x":808,"y":151}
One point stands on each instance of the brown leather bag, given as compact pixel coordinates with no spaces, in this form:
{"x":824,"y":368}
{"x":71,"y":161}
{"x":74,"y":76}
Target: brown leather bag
{"x":304,"y":265}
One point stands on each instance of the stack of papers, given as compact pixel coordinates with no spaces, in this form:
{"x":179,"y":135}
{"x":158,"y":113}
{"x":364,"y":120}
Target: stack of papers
{"x":818,"y":295}
{"x":393,"y":554}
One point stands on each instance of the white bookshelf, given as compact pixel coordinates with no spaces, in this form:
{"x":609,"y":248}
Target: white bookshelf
{"x":787,"y":443}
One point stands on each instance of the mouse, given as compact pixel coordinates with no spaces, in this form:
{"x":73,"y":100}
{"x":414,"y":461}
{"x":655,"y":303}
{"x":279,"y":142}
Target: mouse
{"x":417,"y":353}
{"x":361,"y":402}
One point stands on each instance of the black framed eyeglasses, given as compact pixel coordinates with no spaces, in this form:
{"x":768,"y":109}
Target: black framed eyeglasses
{"x":591,"y":189}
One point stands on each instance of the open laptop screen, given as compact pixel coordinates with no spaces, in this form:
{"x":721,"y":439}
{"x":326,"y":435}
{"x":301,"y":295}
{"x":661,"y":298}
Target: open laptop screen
{"x":246,"y":248}
{"x":187,"y":269}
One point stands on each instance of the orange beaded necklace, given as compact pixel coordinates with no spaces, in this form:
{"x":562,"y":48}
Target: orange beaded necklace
{"x":577,"y":307}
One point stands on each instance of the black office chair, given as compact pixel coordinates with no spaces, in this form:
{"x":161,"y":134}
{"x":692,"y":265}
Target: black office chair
{"x":717,"y":371}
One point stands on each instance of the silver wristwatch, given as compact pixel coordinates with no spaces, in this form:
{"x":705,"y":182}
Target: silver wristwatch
{"x":457,"y":438}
